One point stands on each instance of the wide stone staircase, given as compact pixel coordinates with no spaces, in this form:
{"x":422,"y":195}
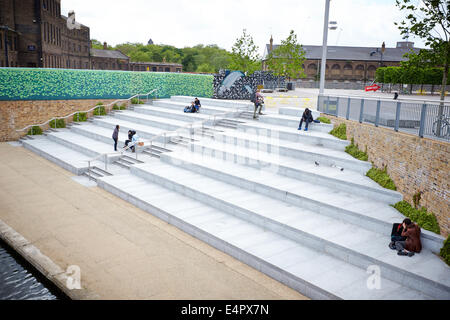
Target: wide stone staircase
{"x":289,"y":203}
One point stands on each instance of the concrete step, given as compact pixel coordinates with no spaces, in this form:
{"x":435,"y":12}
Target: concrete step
{"x":348,"y":181}
{"x":65,"y":157}
{"x":297,"y":112}
{"x":230,"y":104}
{"x":294,"y":135}
{"x":298,"y":266}
{"x":179,"y":106}
{"x":293,"y":122}
{"x":82,"y":144}
{"x":297,"y":150}
{"x":363,"y":212}
{"x":174,"y":114}
{"x":100,"y":133}
{"x":144,"y":131}
{"x":151,"y":121}
{"x":324,"y":234}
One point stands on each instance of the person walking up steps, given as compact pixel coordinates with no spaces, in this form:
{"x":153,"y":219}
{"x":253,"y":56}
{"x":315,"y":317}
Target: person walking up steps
{"x":258,"y":100}
{"x":115,"y":136}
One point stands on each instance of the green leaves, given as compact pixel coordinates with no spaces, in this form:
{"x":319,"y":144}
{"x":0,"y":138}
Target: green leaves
{"x":340,"y":131}
{"x":244,"y":55}
{"x":381,"y":177}
{"x":288,"y":58}
{"x":424,"y":219}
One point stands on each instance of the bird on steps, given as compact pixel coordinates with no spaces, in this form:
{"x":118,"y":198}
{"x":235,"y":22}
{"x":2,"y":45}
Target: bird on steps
{"x":316,"y":163}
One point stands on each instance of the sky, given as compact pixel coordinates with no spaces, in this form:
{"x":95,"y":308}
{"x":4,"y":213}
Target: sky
{"x":186,"y":23}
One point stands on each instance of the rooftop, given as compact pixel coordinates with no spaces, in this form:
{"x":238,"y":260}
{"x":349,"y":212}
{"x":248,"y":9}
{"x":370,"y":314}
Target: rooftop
{"x":352,"y":53}
{"x":112,"y":54}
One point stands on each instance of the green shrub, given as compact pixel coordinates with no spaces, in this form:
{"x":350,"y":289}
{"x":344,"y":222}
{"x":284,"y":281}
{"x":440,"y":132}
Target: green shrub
{"x":324,"y":120}
{"x":381,"y":177}
{"x":99,"y":104}
{"x":136,"y":101}
{"x":100,"y":111}
{"x":426,"y":220}
{"x":35,"y":130}
{"x":80,"y":117}
{"x":123,"y":106}
{"x":116,"y":107}
{"x":353,"y":150}
{"x":340,"y":131}
{"x":445,"y":251}
{"x":60,"y":123}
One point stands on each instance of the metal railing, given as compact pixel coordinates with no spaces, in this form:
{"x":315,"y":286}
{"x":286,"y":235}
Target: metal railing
{"x":107,"y":107}
{"x":429,"y":119}
{"x":148,"y":143}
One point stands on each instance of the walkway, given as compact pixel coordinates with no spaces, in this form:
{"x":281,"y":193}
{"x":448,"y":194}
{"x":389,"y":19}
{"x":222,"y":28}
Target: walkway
{"x":123,"y":252}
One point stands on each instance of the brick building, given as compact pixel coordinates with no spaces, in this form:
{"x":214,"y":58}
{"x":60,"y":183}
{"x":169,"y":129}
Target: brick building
{"x":348,"y":63}
{"x":33,"y":33}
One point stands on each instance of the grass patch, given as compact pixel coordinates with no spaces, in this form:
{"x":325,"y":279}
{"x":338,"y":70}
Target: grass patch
{"x":100,"y":111}
{"x":136,"y":101}
{"x":35,"y":130}
{"x":80,"y":117}
{"x":381,"y":177}
{"x":58,"y":123}
{"x":426,"y":220}
{"x":354,"y":151}
{"x":340,"y":131}
{"x":445,"y":251}
{"x":324,"y":120}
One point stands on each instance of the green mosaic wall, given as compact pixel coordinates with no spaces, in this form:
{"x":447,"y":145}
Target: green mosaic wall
{"x":62,"y":84}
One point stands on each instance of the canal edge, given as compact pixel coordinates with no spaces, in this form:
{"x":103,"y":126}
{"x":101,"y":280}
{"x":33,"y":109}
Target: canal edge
{"x":42,"y":263}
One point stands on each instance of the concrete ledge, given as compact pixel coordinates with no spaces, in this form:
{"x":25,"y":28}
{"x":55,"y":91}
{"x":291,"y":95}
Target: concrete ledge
{"x":42,"y":263}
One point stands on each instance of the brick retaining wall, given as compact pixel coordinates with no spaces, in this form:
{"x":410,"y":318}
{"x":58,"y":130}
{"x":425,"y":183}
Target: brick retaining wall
{"x":19,"y":114}
{"x":414,"y":164}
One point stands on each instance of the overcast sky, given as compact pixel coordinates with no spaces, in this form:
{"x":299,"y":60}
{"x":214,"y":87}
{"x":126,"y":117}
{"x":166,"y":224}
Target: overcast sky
{"x":184,"y":23}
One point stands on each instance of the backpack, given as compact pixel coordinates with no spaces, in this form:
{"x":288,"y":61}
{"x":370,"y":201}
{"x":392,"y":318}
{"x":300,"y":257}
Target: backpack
{"x":253,"y":97}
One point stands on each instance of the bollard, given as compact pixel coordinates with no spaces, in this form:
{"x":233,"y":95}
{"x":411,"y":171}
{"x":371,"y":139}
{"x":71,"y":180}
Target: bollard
{"x":422,"y":120}
{"x":377,"y":117}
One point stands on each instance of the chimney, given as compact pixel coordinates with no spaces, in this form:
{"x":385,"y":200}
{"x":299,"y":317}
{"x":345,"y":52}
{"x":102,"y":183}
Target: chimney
{"x":271,"y":44}
{"x":105,"y":46}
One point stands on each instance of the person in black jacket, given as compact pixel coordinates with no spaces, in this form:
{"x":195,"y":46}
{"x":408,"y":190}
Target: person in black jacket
{"x":115,"y":136}
{"x":307,"y":117}
{"x":396,"y":233}
{"x":130,"y":137}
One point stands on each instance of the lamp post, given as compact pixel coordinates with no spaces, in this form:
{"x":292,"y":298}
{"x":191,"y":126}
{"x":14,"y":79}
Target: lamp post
{"x":324,"y":47}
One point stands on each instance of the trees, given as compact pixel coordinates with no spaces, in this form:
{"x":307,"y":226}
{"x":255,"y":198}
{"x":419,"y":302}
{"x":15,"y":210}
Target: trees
{"x":288,"y":58}
{"x":429,"y":20}
{"x":244,"y":54}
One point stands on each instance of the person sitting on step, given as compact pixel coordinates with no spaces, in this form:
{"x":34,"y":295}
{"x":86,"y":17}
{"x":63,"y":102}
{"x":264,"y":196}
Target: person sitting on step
{"x":134,"y":141}
{"x":190,"y":108}
{"x":130,"y":136}
{"x":396,"y":233}
{"x":412,"y":243}
{"x":307,"y":117}
{"x":197,"y":105}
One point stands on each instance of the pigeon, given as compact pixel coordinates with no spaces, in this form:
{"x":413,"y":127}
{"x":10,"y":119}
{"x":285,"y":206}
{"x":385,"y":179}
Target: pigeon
{"x":316,"y":163}
{"x":342,"y":169}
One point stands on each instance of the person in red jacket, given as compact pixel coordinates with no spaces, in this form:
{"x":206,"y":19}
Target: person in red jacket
{"x":412,"y":243}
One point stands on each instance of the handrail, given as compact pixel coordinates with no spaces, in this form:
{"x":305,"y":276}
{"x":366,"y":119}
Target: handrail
{"x":189,"y":126}
{"x":97,"y":106}
{"x":406,"y":100}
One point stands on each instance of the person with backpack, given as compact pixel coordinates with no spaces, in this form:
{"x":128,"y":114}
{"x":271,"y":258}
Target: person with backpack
{"x":115,"y":136}
{"x":307,"y":117}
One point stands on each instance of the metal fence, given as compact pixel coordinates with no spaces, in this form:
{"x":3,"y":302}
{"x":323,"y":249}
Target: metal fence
{"x":423,"y":118}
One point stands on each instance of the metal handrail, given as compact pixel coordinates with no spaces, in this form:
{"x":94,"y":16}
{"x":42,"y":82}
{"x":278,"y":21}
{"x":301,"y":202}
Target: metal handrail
{"x":406,"y":100}
{"x":97,"y":106}
{"x":150,"y":141}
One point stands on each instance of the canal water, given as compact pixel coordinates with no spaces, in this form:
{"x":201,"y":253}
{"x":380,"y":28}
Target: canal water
{"x":20,"y":281}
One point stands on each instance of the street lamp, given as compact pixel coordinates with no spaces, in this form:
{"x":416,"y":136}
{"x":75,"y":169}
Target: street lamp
{"x":332,"y":26}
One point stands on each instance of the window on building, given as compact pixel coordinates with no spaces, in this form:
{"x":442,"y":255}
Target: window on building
{"x":167,"y":69}
{"x":154,"y":69}
{"x":178,"y":69}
